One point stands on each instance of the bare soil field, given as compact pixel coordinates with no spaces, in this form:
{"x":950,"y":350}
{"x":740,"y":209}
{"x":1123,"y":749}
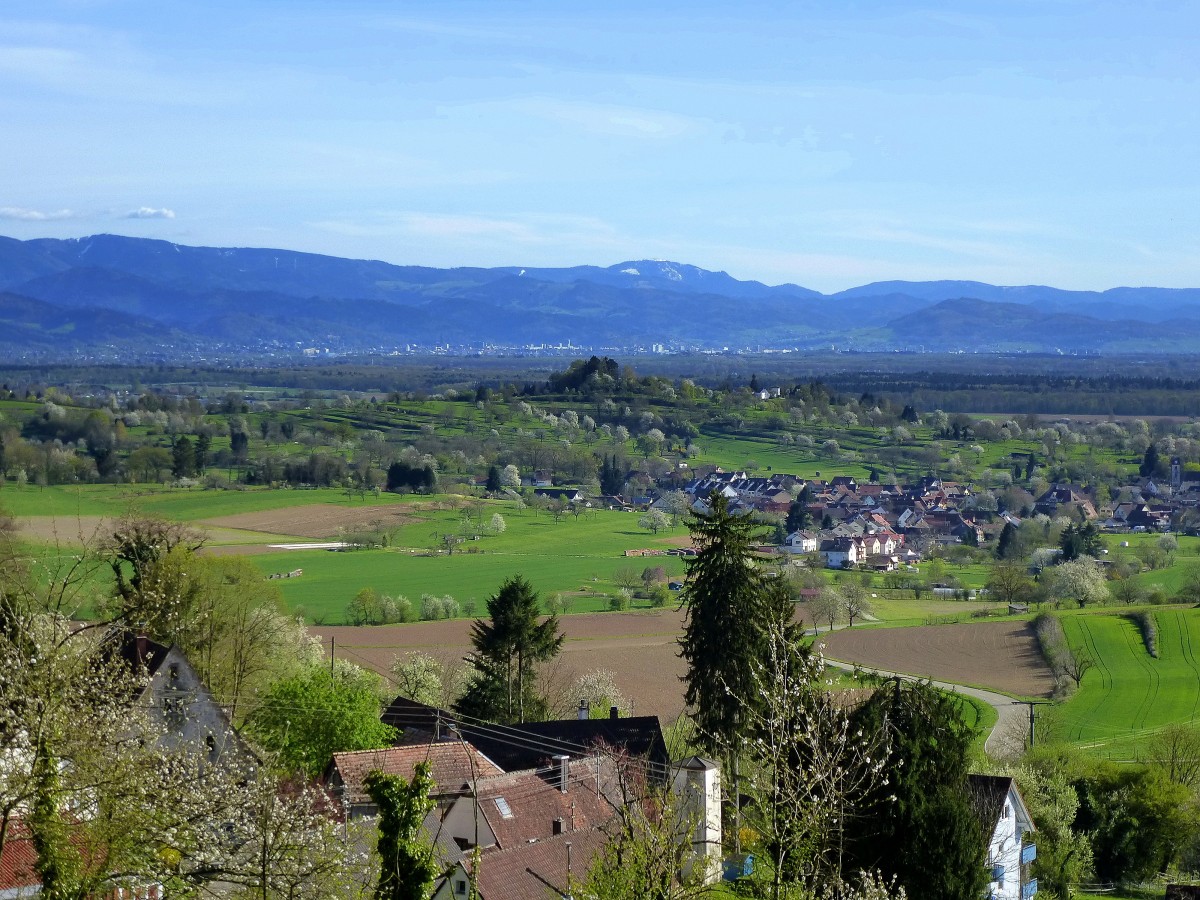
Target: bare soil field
{"x":317,"y":520}
{"x":65,"y":530}
{"x":639,"y":648}
{"x":1003,"y":656}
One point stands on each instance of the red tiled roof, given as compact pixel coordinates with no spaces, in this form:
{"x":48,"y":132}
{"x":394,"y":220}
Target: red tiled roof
{"x":17,"y":860}
{"x":451,"y":764}
{"x":534,"y":804}
{"x":538,"y":869}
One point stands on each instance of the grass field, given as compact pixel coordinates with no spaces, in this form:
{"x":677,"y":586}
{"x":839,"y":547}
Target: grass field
{"x":571,"y":556}
{"x":180,"y":504}
{"x":1130,"y":696}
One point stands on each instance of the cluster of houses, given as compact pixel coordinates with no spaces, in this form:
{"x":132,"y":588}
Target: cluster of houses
{"x":520,"y":811}
{"x":870,"y":525}
{"x":884,"y":526}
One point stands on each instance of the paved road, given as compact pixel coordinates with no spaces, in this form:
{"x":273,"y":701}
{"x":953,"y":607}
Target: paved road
{"x":1012,"y":715}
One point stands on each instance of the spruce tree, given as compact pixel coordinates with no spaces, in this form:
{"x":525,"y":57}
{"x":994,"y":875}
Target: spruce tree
{"x":507,"y":649}
{"x":1004,"y":546}
{"x":921,"y":826}
{"x":729,"y":609}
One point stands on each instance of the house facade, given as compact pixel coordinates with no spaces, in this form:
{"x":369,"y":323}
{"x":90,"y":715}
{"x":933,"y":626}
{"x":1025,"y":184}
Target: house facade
{"x":1010,"y":853}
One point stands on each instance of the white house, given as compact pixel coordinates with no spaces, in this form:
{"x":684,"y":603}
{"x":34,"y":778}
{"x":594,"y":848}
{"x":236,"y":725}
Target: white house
{"x":801,"y":542}
{"x":1009,"y":854}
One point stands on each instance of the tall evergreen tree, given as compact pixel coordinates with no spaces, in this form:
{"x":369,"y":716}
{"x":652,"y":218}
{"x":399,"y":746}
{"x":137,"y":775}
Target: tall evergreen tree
{"x":493,"y":479}
{"x":203,"y":446}
{"x":798,"y":516}
{"x":1150,"y":463}
{"x":921,"y":825}
{"x":728,"y":612}
{"x":507,"y":649}
{"x":612,"y":475}
{"x":183,"y":458}
{"x":1004,"y":546}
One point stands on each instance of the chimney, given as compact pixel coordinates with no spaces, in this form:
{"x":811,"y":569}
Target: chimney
{"x":556,"y":827}
{"x":563,"y":771}
{"x":613,"y":712}
{"x":584,"y":711}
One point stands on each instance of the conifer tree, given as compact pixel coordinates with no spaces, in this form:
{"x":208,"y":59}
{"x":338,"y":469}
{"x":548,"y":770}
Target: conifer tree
{"x":729,"y":609}
{"x":507,"y":649}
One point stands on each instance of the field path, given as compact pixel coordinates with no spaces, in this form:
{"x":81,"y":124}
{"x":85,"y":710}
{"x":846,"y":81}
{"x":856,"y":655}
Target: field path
{"x":1010,"y":714}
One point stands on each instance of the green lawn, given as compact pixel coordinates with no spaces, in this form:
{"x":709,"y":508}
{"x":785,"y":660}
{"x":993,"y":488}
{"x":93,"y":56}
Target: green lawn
{"x":182,"y":504}
{"x":1130,"y":695}
{"x":571,"y":556}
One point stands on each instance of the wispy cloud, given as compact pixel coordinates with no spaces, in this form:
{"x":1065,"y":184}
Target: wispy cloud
{"x":523,"y":230}
{"x":147,"y":212}
{"x":20,"y":214}
{"x":609,"y":119}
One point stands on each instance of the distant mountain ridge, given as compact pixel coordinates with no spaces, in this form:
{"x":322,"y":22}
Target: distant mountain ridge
{"x":108,"y":295}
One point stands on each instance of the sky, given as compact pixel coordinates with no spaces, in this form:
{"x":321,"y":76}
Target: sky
{"x":827,"y":144}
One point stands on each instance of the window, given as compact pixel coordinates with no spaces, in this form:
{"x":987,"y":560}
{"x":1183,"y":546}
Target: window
{"x":505,"y":810}
{"x":460,"y":887}
{"x":1007,"y":811}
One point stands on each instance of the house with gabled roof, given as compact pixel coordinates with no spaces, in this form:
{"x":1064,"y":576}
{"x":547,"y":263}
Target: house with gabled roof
{"x":1007,"y":825}
{"x":453,"y":765}
{"x":179,"y":699}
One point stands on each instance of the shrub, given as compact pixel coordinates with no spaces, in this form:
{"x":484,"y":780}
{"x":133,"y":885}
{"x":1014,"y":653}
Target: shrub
{"x":1050,"y":636}
{"x":1149,"y":629}
{"x":434,"y":607}
{"x":619,"y":601}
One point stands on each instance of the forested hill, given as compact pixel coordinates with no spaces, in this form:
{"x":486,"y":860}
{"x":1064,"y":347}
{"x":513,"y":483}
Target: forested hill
{"x":120,"y":297}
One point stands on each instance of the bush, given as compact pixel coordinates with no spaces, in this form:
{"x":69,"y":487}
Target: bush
{"x":433,"y":607}
{"x":395,"y":609}
{"x":619,"y":601}
{"x":1149,"y":629}
{"x":1051,"y":639}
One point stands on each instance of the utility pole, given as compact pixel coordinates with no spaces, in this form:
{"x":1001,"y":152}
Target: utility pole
{"x":331,"y":652}
{"x":1031,"y":726}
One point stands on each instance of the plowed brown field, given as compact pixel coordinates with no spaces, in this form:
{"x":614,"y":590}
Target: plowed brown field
{"x":1003,"y":656}
{"x":317,"y":520}
{"x":639,"y":648}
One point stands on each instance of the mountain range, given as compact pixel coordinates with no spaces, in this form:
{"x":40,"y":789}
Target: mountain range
{"x":108,"y":296}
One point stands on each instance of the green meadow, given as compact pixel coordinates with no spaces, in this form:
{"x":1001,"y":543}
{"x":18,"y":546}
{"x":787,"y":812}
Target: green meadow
{"x":1130,"y":696}
{"x":574,"y":556}
{"x":179,"y":504}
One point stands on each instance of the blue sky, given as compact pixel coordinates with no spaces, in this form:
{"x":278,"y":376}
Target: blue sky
{"x":823,"y":143}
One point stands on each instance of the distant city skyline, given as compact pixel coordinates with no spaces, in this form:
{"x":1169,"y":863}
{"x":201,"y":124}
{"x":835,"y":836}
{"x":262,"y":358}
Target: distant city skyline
{"x":828,"y":145}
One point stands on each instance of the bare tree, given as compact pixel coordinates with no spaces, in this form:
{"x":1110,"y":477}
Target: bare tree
{"x":1176,"y":751}
{"x":627,"y":577}
{"x":827,"y":607}
{"x":808,"y":766}
{"x":1075,"y":663}
{"x":854,"y":601}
